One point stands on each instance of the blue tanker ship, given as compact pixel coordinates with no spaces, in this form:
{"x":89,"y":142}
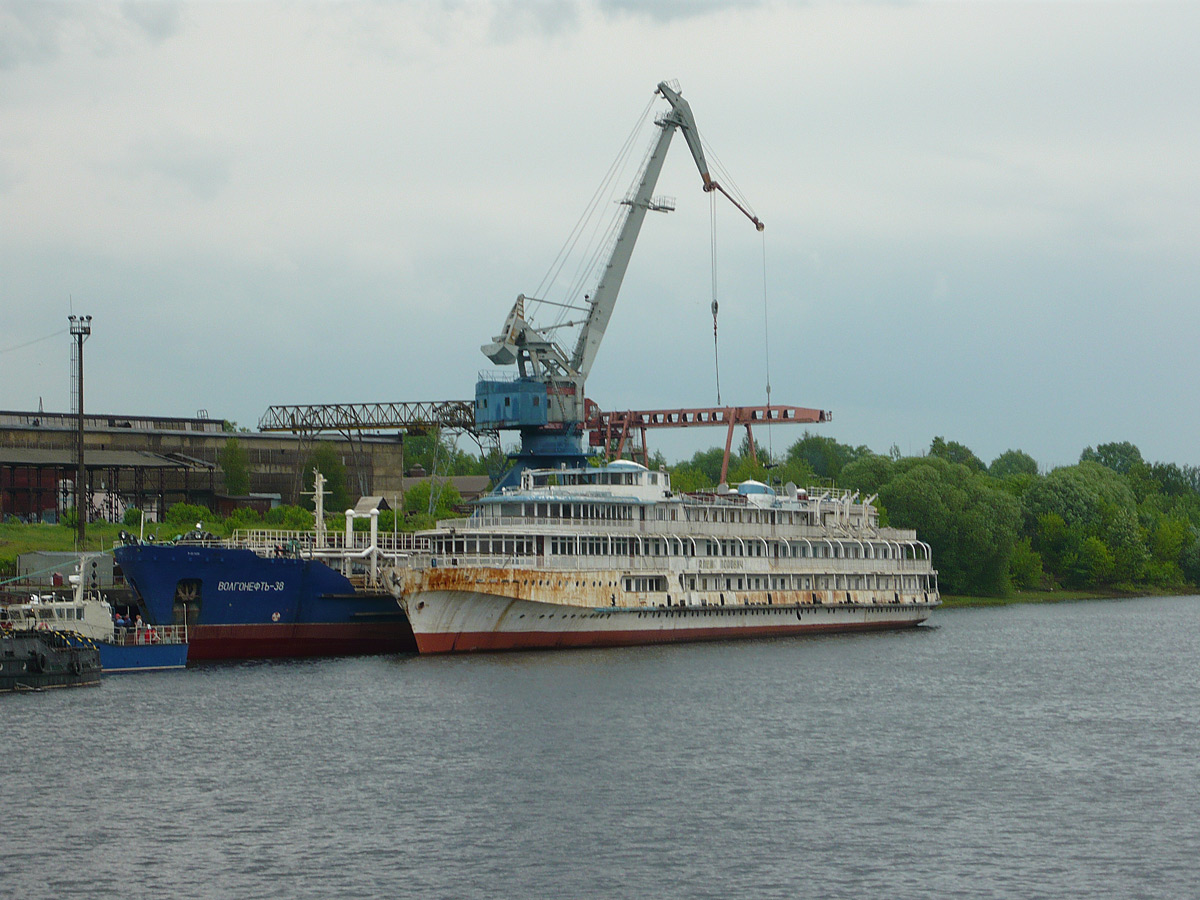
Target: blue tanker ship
{"x":273,"y":594}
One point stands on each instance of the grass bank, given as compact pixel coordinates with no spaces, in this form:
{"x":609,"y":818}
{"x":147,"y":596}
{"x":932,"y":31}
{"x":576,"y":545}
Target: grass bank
{"x":1060,"y":596}
{"x":16,"y":539}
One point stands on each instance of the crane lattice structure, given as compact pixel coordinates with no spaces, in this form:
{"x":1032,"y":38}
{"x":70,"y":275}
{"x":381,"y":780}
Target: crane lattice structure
{"x":456,"y":415}
{"x":617,"y":432}
{"x":351,"y":420}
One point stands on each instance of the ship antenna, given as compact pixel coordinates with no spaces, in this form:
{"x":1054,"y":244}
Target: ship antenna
{"x":318,"y":495}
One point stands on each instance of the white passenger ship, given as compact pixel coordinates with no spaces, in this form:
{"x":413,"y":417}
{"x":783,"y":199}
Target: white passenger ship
{"x":612,"y":556}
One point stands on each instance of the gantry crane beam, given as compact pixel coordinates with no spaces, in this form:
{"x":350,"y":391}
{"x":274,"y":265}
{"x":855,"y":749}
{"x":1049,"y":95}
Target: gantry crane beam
{"x":343,"y":417}
{"x":612,"y":430}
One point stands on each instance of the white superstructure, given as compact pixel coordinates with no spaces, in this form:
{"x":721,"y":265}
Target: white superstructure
{"x":611,"y":555}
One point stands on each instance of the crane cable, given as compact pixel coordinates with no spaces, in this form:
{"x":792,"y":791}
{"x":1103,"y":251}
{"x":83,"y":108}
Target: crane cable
{"x":712,"y":224}
{"x":767,"y":347}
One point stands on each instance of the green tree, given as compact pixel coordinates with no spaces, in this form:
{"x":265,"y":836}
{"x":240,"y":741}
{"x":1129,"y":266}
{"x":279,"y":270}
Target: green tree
{"x":184,"y":516}
{"x":1168,"y":539}
{"x":443,"y":494}
{"x":244,"y":517}
{"x":1189,"y":559}
{"x":289,"y":518}
{"x":1090,"y":500}
{"x":1171,"y":480}
{"x":824,"y":455}
{"x":954,"y":452}
{"x":1120,"y":457}
{"x":1050,"y":538}
{"x":236,"y":466}
{"x":708,"y":462}
{"x":1080,"y":494}
{"x":1013,"y":462}
{"x":326,"y":460}
{"x":969,"y":522}
{"x":1025,"y":566}
{"x":435,"y":452}
{"x":1126,"y":540}
{"x":1088,"y":564}
{"x":867,"y":474}
{"x":747,"y":469}
{"x":685,"y":478}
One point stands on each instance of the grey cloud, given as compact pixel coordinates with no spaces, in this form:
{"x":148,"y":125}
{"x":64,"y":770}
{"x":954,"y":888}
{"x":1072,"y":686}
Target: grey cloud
{"x":29,"y":32}
{"x":34,"y":32}
{"x":667,"y":10}
{"x":158,"y":21}
{"x":186,"y":162}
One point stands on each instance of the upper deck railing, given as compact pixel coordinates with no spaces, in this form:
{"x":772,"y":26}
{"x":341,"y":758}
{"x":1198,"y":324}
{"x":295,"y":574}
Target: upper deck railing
{"x":674,"y":527}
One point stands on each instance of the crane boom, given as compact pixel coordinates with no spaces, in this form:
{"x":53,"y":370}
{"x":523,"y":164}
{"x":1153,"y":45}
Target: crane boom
{"x":604,"y":298}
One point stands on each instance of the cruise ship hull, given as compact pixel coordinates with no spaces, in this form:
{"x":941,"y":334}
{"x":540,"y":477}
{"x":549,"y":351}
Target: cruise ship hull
{"x":449,"y":621}
{"x":611,"y":556}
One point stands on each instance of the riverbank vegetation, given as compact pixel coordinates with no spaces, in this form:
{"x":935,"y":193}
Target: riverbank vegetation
{"x":1111,"y":524}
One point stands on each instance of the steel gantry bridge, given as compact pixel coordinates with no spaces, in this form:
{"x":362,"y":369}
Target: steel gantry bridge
{"x":351,"y":417}
{"x":617,"y":433}
{"x":351,"y":420}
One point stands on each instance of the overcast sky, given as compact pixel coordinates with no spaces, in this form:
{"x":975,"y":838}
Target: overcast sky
{"x":982,"y":219}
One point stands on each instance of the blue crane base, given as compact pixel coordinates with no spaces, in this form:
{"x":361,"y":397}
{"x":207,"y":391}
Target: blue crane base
{"x":542,"y":450}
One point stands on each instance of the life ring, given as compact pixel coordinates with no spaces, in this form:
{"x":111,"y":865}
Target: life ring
{"x":76,"y":666}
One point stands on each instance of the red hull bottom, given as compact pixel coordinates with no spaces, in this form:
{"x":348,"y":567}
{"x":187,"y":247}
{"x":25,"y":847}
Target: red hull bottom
{"x":289,"y":641}
{"x":472,"y":641}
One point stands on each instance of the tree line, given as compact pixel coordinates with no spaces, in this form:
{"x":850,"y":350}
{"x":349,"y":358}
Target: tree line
{"x":1112,"y":520}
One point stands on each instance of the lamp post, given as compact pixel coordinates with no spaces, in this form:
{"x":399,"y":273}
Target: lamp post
{"x":81,"y":327}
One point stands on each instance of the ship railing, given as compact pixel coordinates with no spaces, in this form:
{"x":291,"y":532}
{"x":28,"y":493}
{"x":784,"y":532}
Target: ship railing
{"x":697,"y":564}
{"x":265,"y":540}
{"x":673,"y":527}
{"x":150,"y":634}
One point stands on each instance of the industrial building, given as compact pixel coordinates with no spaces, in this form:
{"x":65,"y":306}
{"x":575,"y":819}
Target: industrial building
{"x":153,"y":462}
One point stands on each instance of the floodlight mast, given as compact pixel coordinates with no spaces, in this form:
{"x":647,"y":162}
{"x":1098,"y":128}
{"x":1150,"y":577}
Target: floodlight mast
{"x":546,"y":402}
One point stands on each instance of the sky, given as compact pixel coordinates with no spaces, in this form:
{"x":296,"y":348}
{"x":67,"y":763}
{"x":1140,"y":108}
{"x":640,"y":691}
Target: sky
{"x":982,"y":219}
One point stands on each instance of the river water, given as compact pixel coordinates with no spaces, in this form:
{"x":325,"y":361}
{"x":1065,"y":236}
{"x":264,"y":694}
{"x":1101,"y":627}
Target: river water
{"x":1019,"y":751}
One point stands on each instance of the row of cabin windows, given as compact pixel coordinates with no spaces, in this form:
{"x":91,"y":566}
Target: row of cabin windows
{"x":604,"y":512}
{"x":906,"y":583}
{"x":895,"y":583}
{"x":509,"y":545}
{"x":748,"y":516}
{"x":801,"y":550}
{"x":615,"y":512}
{"x":554,"y":479}
{"x":483,"y":404}
{"x":609,"y":545}
{"x":643,"y":583}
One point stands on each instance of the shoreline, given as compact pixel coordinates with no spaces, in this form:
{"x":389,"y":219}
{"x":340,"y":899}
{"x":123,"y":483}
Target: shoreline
{"x":954,"y":601}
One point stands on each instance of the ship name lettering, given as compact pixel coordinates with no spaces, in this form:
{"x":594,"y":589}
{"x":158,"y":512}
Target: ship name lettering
{"x":249,"y":586}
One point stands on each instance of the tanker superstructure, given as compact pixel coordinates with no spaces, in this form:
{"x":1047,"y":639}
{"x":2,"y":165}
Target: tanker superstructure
{"x":608,"y":556}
